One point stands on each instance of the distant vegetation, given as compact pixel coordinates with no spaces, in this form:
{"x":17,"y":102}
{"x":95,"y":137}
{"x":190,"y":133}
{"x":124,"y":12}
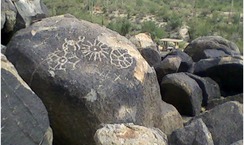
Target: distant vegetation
{"x":160,"y":18}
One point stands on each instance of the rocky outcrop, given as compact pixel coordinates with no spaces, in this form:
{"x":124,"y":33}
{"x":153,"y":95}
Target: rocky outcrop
{"x":16,"y":15}
{"x":86,"y":75}
{"x":182,"y":92}
{"x":24,"y":117}
{"x":226,"y":71}
{"x":211,"y":47}
{"x":196,"y":133}
{"x":225,"y":122}
{"x":151,"y":56}
{"x":129,"y":134}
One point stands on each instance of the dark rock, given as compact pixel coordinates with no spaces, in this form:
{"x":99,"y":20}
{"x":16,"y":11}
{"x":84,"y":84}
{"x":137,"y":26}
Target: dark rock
{"x":212,"y":53}
{"x":3,"y":49}
{"x":182,"y":92}
{"x":215,"y":102}
{"x":24,"y":117}
{"x":168,"y":118}
{"x":225,"y":122}
{"x":151,"y":56}
{"x":17,"y":14}
{"x":129,"y":134}
{"x":240,"y":142}
{"x":226,"y":71}
{"x":198,"y":48}
{"x":167,"y":66}
{"x":186,"y":60}
{"x":210,"y":89}
{"x":86,"y":75}
{"x":196,"y":133}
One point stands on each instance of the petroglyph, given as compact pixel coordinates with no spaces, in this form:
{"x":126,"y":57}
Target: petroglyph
{"x":121,"y":58}
{"x":60,"y":60}
{"x":72,"y":45}
{"x":95,"y":51}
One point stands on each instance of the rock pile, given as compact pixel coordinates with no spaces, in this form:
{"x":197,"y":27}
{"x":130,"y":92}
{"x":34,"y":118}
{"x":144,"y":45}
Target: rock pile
{"x":87,"y":76}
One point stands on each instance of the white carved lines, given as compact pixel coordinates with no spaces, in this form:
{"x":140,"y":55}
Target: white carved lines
{"x":66,"y":56}
{"x":95,"y":51}
{"x":72,"y":45}
{"x":60,"y":60}
{"x":121,"y":58}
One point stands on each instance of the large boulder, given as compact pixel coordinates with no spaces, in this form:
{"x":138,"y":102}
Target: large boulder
{"x":211,"y":47}
{"x":151,"y":56}
{"x":226,"y":71}
{"x":129,"y":134}
{"x":225,"y":122}
{"x":182,"y":92}
{"x":143,"y":40}
{"x":196,"y":133}
{"x":86,"y":75}
{"x":19,"y":14}
{"x":210,"y":89}
{"x":24,"y":118}
{"x":168,"y":65}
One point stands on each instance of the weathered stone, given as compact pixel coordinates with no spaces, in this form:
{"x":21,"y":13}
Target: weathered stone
{"x":24,"y":117}
{"x":197,"y":49}
{"x":129,"y":134}
{"x":218,"y":101}
{"x":240,"y":142}
{"x":226,"y":71}
{"x":86,"y":75}
{"x":213,"y":53}
{"x":168,"y":119}
{"x":3,"y":49}
{"x":196,"y":133}
{"x":18,"y":14}
{"x":225,"y":122}
{"x":143,"y":40}
{"x":210,"y":89}
{"x":151,"y":56}
{"x":167,"y":66}
{"x":182,"y":92}
{"x":186,"y":60}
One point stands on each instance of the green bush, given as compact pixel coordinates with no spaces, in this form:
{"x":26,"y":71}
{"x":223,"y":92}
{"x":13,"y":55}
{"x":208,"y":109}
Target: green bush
{"x":122,"y":26}
{"x":153,"y":29}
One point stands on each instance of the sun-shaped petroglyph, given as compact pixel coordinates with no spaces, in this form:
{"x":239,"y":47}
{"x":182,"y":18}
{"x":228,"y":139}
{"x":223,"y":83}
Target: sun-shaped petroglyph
{"x":61,"y":60}
{"x":95,"y":51}
{"x":121,"y":58}
{"x":72,"y":45}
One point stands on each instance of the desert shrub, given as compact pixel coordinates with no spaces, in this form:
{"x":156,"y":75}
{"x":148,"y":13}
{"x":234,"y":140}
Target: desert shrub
{"x":153,"y":29}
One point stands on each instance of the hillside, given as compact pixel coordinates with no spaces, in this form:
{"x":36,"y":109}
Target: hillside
{"x":161,"y":18}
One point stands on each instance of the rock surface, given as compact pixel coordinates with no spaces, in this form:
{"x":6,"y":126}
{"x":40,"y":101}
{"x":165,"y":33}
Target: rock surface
{"x":167,"y":66}
{"x":182,"y":92}
{"x":210,"y":89}
{"x":196,"y":133}
{"x":143,"y":40}
{"x":186,"y":61}
{"x":218,"y":101}
{"x":19,"y":14}
{"x":199,"y":48}
{"x":24,"y":117}
{"x":151,"y":56}
{"x":226,"y":71}
{"x":225,"y":122}
{"x":240,"y":142}
{"x":129,"y":134}
{"x":86,"y":75}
